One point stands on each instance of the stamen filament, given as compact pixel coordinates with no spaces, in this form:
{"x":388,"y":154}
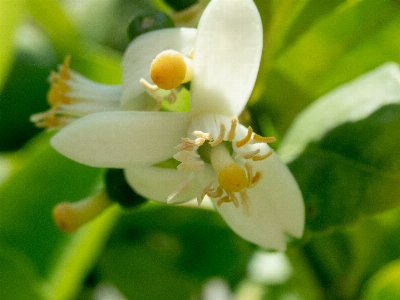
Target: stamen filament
{"x":220,"y":137}
{"x":148,"y":86}
{"x":204,"y":192}
{"x":232,"y":131}
{"x":262,"y":157}
{"x":204,"y":135}
{"x":215,"y":194}
{"x":248,"y":155}
{"x":261,"y":139}
{"x":246,"y":139}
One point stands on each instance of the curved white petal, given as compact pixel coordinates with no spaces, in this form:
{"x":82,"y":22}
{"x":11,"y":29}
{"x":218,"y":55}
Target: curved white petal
{"x":140,"y":54}
{"x":226,"y":57}
{"x":275,"y":207}
{"x":159,"y":183}
{"x":121,"y":139}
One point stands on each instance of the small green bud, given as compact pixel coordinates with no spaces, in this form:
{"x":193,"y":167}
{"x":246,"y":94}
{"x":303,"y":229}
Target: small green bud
{"x":118,"y":189}
{"x":148,"y":20}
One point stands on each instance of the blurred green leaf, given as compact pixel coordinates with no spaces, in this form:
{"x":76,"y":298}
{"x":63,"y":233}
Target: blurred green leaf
{"x":167,"y":252}
{"x":343,"y":150}
{"x":18,"y":279}
{"x":355,"y":38}
{"x":10,"y":16}
{"x":320,"y":60}
{"x":385,"y":284}
{"x":25,"y":90}
{"x":27,"y":197}
{"x":55,"y":22}
{"x":93,"y":60}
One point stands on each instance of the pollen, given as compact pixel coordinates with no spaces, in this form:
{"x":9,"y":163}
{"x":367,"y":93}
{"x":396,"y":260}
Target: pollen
{"x":59,"y":86}
{"x":232,"y":178}
{"x":168,"y":69}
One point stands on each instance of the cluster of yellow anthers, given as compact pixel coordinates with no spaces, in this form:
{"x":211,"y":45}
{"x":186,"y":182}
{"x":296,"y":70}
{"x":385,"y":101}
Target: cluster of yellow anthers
{"x":232,"y":178}
{"x":56,"y":96}
{"x":168,"y":71}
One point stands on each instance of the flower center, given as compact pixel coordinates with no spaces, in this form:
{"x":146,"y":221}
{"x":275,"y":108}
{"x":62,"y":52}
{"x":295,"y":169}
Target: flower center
{"x":168,"y":71}
{"x":232,"y":178}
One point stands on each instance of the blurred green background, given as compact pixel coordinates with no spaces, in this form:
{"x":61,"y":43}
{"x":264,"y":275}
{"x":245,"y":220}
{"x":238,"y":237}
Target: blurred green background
{"x":349,"y":172}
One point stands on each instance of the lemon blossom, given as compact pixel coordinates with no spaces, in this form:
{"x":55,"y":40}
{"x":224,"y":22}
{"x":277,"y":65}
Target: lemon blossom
{"x":72,"y":96}
{"x":249,"y":186}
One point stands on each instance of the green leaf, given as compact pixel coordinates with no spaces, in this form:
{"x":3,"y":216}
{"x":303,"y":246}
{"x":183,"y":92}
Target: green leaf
{"x":325,"y":55}
{"x":28,"y":196}
{"x":18,"y":279}
{"x":167,"y":252}
{"x":42,"y":179}
{"x":94,"y":61}
{"x":25,"y":90}
{"x":343,"y":150}
{"x":350,"y":40}
{"x":55,"y":22}
{"x":385,"y":284}
{"x":10,"y":16}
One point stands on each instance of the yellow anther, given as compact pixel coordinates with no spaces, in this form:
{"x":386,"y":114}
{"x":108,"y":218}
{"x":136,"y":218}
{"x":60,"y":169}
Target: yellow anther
{"x":231,"y":133}
{"x":215,"y":193}
{"x":220,"y":137}
{"x":261,"y":139}
{"x":168,"y":69}
{"x":232,"y":178}
{"x":246,"y":139}
{"x":262,"y":157}
{"x":59,"y":87}
{"x":224,"y":199}
{"x":256,"y":178}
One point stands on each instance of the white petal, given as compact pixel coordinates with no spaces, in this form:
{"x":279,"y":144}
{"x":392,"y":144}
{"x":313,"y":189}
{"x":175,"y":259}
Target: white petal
{"x":140,"y":54}
{"x":275,"y":207}
{"x":209,"y":123}
{"x":226,"y":57}
{"x":159,"y":183}
{"x":121,"y":139}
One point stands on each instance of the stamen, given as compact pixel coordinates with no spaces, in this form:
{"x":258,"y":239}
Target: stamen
{"x":220,"y":137}
{"x":147,"y":85}
{"x":224,"y":199}
{"x":203,"y":135}
{"x":261,"y":139}
{"x":255,"y":179}
{"x":69,"y":216}
{"x":151,"y":89}
{"x":233,"y":198}
{"x":188,"y":144}
{"x":245,"y":202}
{"x":262,"y":157}
{"x":204,"y":192}
{"x":246,"y":139}
{"x":185,"y":155}
{"x":232,"y":131}
{"x":191,"y":53}
{"x":248,"y":155}
{"x":181,"y":188}
{"x":215,"y":194}
{"x":249,"y":171}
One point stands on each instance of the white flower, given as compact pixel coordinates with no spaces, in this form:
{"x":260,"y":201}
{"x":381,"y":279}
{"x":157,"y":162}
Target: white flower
{"x":250,"y":187}
{"x":72,"y":96}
